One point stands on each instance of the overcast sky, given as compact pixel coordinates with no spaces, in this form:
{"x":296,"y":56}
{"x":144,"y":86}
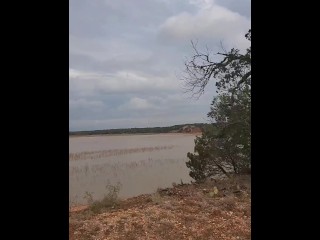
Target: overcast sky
{"x":126,"y":58}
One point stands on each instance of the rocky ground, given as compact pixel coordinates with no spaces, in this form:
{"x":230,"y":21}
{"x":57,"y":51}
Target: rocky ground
{"x":185,"y":211}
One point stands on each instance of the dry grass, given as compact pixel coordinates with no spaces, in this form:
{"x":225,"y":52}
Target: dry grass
{"x":183,"y":212}
{"x":110,"y":199}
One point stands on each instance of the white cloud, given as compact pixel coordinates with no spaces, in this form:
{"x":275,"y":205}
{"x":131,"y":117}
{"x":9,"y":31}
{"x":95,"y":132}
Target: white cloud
{"x":137,"y":103}
{"x":88,"y":83}
{"x":210,"y":22}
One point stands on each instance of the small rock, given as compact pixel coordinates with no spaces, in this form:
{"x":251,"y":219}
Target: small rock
{"x":214,"y":192}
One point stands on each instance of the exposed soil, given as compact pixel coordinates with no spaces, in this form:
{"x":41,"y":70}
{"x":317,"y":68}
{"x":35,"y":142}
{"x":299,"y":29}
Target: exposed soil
{"x":186,"y":211}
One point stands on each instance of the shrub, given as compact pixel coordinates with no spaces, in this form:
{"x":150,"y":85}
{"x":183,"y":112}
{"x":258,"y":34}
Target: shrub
{"x":110,"y":199}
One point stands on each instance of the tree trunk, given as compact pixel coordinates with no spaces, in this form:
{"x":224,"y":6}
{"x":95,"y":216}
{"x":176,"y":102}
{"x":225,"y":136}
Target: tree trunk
{"x":222,"y":169}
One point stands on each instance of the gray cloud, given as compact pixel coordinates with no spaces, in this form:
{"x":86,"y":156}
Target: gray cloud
{"x":242,"y":7}
{"x":126,"y":58}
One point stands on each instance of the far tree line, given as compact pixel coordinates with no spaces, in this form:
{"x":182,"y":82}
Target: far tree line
{"x":175,"y":128}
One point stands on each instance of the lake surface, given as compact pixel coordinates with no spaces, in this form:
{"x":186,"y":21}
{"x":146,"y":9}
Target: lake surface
{"x":140,"y":163}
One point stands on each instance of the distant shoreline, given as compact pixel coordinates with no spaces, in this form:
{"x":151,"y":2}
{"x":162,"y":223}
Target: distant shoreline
{"x":182,"y":128}
{"x":132,"y":134}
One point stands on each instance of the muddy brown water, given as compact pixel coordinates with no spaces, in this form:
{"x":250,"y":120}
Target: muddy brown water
{"x":140,"y":163}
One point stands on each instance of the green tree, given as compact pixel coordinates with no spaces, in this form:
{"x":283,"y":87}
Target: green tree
{"x":226,"y":147}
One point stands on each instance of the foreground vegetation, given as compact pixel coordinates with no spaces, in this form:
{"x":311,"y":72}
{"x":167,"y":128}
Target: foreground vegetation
{"x":217,"y":209}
